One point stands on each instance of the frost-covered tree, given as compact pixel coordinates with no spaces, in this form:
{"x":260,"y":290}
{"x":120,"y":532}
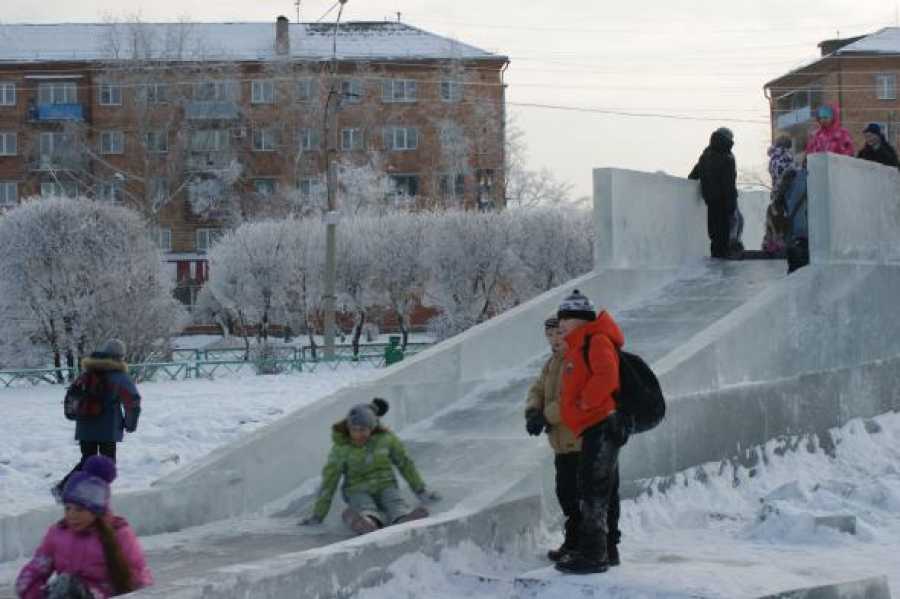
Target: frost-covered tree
{"x":526,"y":187}
{"x":76,"y":272}
{"x":363,"y":188}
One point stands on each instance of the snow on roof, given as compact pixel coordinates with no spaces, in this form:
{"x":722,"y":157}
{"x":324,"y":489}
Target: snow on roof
{"x":226,"y":41}
{"x":885,"y":41}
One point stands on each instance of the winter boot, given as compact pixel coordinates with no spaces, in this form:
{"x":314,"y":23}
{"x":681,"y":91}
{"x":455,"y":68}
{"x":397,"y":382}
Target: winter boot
{"x":417,"y":514}
{"x":360,"y":523}
{"x":575,"y":562}
{"x":612,"y":554}
{"x":570,"y":541}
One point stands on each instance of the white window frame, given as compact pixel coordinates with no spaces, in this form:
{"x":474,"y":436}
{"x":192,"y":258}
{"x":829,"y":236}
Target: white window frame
{"x":886,"y":86}
{"x":159,"y":189}
{"x":54,"y":188}
{"x":451,"y":90}
{"x":270,"y":183}
{"x":262,"y":91}
{"x":164,"y":238}
{"x":112,"y":142}
{"x":307,"y":139}
{"x":9,"y":143}
{"x":219,"y":138}
{"x":402,"y":139}
{"x":406,"y":177}
{"x":109,"y":191}
{"x":307,"y":187}
{"x":447,"y":185}
{"x":221,"y":90}
{"x":351,"y":139}
{"x":7,"y":93}
{"x":265,"y":139}
{"x":157,"y":141}
{"x":352,"y":91}
{"x":109,"y":94}
{"x":58,"y":92}
{"x":204,"y":238}
{"x":52,"y":142}
{"x":155,"y":97}
{"x":304,"y":91}
{"x":399,"y":90}
{"x":9,"y":193}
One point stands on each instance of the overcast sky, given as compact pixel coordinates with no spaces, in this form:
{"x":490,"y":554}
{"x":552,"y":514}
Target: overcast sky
{"x":699,"y":58}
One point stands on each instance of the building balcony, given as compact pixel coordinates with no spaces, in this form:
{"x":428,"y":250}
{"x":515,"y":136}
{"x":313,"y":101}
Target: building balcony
{"x":212,"y":111}
{"x":56,"y":112}
{"x":208,"y":161}
{"x":797,"y":116}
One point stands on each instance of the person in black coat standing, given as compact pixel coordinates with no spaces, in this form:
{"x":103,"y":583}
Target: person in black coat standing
{"x":717,"y":173}
{"x":877,"y":148}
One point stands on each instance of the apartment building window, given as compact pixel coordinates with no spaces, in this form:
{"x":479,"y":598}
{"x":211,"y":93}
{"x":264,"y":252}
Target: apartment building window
{"x":164,"y":238}
{"x":209,"y":140}
{"x":886,"y":86}
{"x":206,"y":238}
{"x":8,"y":143}
{"x":157,"y":142}
{"x":214,"y":91}
{"x":265,"y":187}
{"x":405,"y":185}
{"x":308,"y":139}
{"x":56,"y":142}
{"x":159,"y":189}
{"x":401,"y":138}
{"x":305,"y":88}
{"x":156,"y":93}
{"x":110,"y":94}
{"x":308,"y":187}
{"x":452,"y":186}
{"x":7,"y":94}
{"x":399,"y":90}
{"x":485,"y":180}
{"x":262,"y":91}
{"x":109,"y":191}
{"x":9,"y":193}
{"x":352,"y":91}
{"x":351,"y":139}
{"x":112,"y":142}
{"x":58,"y":92}
{"x":61,"y":189}
{"x":265,"y":139}
{"x":451,"y":91}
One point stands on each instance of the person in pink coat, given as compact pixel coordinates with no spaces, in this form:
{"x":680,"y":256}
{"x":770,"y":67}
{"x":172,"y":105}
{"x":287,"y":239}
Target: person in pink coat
{"x":93,"y":553}
{"x":830,"y":136}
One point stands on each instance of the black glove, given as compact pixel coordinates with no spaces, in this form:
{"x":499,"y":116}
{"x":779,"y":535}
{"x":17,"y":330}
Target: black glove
{"x":618,"y":428}
{"x":535,"y":422}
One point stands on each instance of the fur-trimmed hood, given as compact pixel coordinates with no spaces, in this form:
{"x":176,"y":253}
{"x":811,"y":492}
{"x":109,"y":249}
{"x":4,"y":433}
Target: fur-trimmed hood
{"x":340,"y":432}
{"x":103,"y":363}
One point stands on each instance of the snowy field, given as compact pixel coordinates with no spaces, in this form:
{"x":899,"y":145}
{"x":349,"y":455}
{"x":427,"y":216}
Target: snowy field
{"x":181,"y":421}
{"x":720,"y":531}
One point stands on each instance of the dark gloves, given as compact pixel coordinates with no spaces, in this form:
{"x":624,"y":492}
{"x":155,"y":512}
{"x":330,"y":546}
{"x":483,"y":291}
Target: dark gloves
{"x":618,"y":427}
{"x":535,"y":423}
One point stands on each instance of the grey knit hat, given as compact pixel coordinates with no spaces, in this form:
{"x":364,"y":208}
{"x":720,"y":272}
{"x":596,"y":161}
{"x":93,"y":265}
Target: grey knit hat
{"x":115,"y":348}
{"x":365,"y":415}
{"x":576,"y":306}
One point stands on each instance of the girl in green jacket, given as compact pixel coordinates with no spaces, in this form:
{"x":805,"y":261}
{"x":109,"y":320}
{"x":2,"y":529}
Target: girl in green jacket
{"x":364,"y":455}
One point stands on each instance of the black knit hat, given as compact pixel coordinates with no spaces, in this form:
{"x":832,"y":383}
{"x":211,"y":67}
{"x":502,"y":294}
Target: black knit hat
{"x":576,"y":306}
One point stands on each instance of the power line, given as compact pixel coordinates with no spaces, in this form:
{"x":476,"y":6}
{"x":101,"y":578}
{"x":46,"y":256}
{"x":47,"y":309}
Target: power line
{"x":654,"y":115}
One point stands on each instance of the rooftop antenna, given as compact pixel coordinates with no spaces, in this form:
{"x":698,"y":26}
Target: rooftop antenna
{"x":297,"y":6}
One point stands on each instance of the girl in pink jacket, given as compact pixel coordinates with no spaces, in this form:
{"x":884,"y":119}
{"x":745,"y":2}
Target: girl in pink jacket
{"x":93,"y":553}
{"x":830,"y":136}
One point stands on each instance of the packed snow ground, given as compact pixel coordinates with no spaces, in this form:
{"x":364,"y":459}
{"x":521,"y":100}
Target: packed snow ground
{"x":721,"y":531}
{"x":181,"y":421}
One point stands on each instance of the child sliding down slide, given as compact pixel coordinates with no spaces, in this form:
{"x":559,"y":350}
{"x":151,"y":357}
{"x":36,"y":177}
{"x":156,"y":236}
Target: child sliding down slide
{"x":365,"y":453}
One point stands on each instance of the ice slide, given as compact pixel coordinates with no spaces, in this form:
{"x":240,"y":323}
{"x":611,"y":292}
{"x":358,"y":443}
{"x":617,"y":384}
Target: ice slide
{"x":722,"y":335}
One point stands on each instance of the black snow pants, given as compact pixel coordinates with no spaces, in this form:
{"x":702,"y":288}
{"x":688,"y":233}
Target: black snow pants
{"x":718,"y":225}
{"x":88,"y":449}
{"x":598,"y":476}
{"x":567,"y":469}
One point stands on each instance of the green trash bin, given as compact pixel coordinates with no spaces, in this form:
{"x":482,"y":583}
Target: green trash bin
{"x":393,"y":353}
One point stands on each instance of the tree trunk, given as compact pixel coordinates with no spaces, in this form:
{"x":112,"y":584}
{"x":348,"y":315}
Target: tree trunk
{"x":57,"y":364}
{"x":404,"y":331}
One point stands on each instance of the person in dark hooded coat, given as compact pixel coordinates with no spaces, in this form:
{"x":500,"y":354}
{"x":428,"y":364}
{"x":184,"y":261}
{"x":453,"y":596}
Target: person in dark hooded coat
{"x":717,"y":172}
{"x":877,"y":148}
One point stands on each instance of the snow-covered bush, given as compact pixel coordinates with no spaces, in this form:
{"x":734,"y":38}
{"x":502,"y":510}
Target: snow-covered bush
{"x":75,"y":272}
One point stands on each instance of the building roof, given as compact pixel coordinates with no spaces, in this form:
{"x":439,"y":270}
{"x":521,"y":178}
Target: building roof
{"x":884,"y":41}
{"x":67,"y":42}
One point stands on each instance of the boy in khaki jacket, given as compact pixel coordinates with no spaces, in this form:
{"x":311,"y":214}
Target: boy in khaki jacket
{"x":542,"y":413}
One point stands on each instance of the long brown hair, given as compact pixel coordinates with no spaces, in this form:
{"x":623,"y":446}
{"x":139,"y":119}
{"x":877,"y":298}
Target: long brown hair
{"x":116,"y":565}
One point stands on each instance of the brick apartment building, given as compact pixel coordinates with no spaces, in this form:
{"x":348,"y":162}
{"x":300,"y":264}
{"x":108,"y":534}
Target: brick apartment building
{"x":859,"y":74}
{"x":197,"y":125}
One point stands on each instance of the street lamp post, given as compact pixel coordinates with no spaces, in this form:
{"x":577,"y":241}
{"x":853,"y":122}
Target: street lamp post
{"x":331,"y":216}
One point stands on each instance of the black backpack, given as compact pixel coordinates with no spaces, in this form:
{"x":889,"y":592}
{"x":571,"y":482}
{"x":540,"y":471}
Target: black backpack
{"x":639,"y":398}
{"x":84,"y":397}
